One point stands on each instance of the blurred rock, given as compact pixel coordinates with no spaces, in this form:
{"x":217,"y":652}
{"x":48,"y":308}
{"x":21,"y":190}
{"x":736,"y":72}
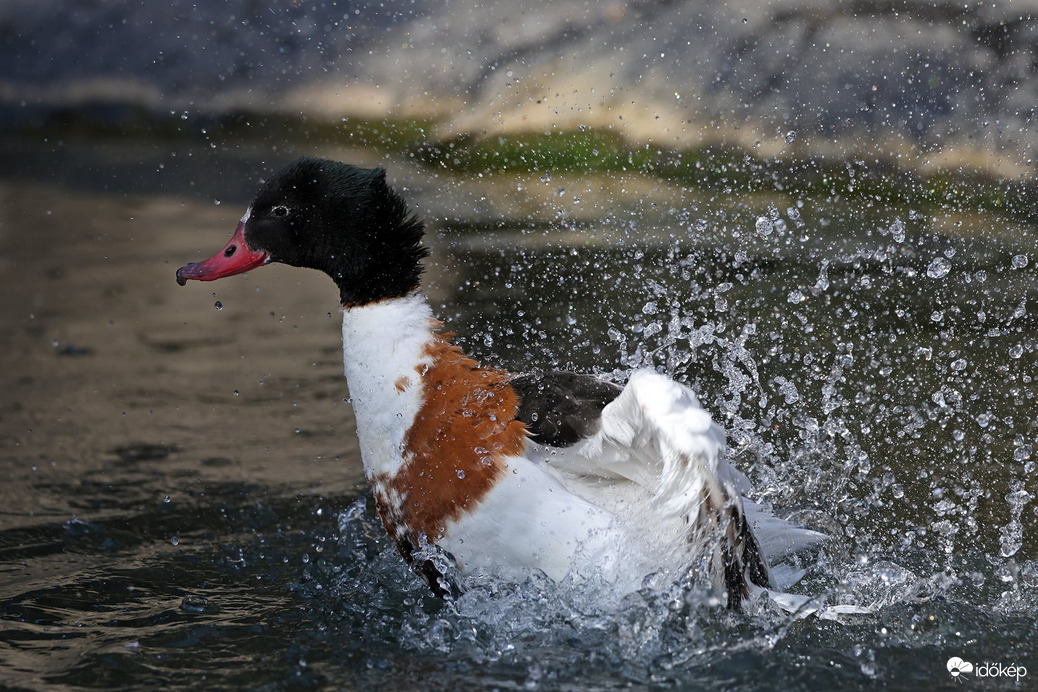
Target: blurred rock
{"x":948,"y":83}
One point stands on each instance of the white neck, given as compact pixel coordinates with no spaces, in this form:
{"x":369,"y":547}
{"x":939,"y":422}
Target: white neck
{"x":384,"y":345}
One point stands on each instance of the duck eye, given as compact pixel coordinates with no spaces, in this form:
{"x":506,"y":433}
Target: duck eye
{"x":279,"y":210}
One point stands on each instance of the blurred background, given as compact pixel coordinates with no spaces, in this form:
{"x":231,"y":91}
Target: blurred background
{"x":925,"y":85}
{"x":820,"y":214}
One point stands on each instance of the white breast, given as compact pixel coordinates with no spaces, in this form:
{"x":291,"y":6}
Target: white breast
{"x":531,"y":520}
{"x":384,"y":347}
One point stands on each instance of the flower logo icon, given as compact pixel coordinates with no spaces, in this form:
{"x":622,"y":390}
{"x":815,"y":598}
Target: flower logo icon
{"x":957,"y":667}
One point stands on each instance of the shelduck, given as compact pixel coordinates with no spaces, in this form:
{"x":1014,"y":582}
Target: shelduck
{"x":478,"y":470}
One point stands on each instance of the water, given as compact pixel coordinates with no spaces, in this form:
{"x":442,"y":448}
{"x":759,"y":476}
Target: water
{"x":182,"y":496}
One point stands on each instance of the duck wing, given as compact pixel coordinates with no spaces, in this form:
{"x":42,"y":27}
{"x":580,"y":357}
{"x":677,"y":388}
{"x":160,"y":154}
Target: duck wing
{"x":561,"y":408}
{"x":655,"y":433}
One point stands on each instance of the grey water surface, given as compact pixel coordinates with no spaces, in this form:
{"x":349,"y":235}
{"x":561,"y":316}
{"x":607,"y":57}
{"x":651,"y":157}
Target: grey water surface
{"x":182,"y":504}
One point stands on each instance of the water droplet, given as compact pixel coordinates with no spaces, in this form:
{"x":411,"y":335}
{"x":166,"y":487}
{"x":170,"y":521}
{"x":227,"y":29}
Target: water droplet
{"x":958,"y":365}
{"x":791,"y":396}
{"x":764,"y":226}
{"x":796,"y":297}
{"x":235,"y":392}
{"x":897,"y":231}
{"x":175,"y":540}
{"x":461,"y":474}
{"x":218,"y":305}
{"x":1022,"y":453}
{"x":791,"y":137}
{"x":166,"y":499}
{"x":1016,"y":351}
{"x":1018,"y":498}
{"x":822,"y":282}
{"x":1011,"y":538}
{"x":198,"y":604}
{"x":1019,"y":261}
{"x":939,"y":268}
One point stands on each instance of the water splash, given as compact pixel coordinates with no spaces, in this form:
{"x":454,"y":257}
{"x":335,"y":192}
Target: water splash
{"x":938,"y":268}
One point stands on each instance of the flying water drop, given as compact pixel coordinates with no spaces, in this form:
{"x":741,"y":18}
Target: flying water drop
{"x":764,"y":226}
{"x":897,"y":231}
{"x":939,"y":268}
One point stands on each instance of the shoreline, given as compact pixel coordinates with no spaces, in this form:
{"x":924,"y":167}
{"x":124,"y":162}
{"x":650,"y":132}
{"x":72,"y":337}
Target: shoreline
{"x":928,"y":182}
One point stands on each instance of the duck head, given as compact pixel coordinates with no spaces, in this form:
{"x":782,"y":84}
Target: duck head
{"x":333,"y":217}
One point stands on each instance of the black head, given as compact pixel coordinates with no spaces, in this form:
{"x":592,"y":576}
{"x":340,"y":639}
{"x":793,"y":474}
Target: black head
{"x":333,"y":217}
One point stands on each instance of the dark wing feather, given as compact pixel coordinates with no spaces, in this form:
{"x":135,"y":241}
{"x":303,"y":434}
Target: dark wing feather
{"x":560,"y":408}
{"x":742,"y":557}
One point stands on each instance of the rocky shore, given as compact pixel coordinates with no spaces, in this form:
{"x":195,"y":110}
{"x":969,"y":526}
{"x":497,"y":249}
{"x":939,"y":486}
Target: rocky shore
{"x":933,"y":85}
